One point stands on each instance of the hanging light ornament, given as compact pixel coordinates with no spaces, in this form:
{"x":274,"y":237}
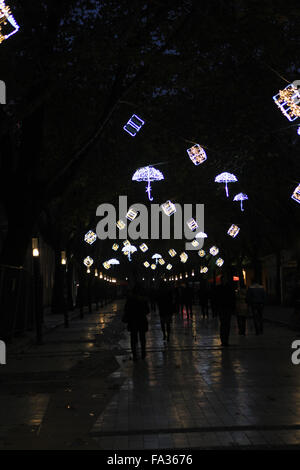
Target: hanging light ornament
{"x":115,"y":247}
{"x":169,"y":208}
{"x":146,"y":264}
{"x":201,"y":253}
{"x":90,"y":237}
{"x":201,"y":235}
{"x":148,"y":173}
{"x":126,"y":243}
{"x":183,"y":257}
{"x":120,"y":224}
{"x":161,"y":261}
{"x":143,"y":247}
{"x":106,"y":265}
{"x":7,"y":21}
{"x":288,"y":101}
{"x":197,"y":154}
{"x":296,"y":194}
{"x":133,"y":126}
{"x":128,"y":249}
{"x":192,"y":224}
{"x":131,"y":214}
{"x":156,"y":256}
{"x":241,"y":197}
{"x":226,"y":178}
{"x":153,"y":266}
{"x":214,"y":250}
{"x":88,"y":261}
{"x":113,"y":261}
{"x":169,"y":266}
{"x":220,"y":262}
{"x":233,"y":231}
{"x":195,"y":243}
{"x":204,"y":270}
{"x":172,"y":252}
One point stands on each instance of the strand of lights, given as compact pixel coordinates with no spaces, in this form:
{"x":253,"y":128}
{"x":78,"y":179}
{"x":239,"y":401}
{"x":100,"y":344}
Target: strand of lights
{"x":296,"y":194}
{"x":6,"y":16}
{"x":288,"y":101}
{"x":88,"y":261}
{"x":131,"y":214}
{"x":115,"y":247}
{"x":233,"y":231}
{"x":90,"y":237}
{"x":143,"y":247}
{"x":172,"y":252}
{"x":192,"y":224}
{"x":201,"y":253}
{"x":169,"y":266}
{"x":197,"y":154}
{"x":226,"y":178}
{"x":183,"y":257}
{"x":220,"y":262}
{"x":169,"y":208}
{"x":214,"y":250}
{"x":134,"y":125}
{"x":148,"y":174}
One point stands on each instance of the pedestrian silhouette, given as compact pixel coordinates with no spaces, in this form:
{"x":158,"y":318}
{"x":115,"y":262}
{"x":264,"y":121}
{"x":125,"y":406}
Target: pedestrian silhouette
{"x":165,"y":308}
{"x":256,"y":299}
{"x":225,"y":303}
{"x":241,"y":310}
{"x":135,"y":315}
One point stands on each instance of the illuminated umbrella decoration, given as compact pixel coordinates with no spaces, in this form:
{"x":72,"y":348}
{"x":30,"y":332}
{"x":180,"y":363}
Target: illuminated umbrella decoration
{"x":226,"y":178}
{"x":156,"y":256}
{"x":113,"y":261}
{"x":241,"y":197}
{"x":128,"y":250}
{"x":201,"y":235}
{"x":148,"y":173}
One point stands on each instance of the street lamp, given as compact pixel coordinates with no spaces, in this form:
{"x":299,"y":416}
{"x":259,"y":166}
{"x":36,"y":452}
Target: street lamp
{"x":63,"y":258}
{"x":38,"y":290}
{"x":35,"y":248}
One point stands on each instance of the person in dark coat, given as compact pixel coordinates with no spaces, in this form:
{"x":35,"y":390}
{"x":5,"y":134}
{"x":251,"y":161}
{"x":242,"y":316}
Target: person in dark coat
{"x":256,"y":299}
{"x":165,"y":308}
{"x":225,"y":303}
{"x":135,"y":315}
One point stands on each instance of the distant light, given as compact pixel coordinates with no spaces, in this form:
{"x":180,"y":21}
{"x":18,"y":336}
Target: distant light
{"x":35,"y":252}
{"x":63,"y":257}
{"x":96,"y":272}
{"x":35,"y":247}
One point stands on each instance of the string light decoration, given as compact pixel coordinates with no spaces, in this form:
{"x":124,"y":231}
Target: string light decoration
{"x":169,"y":208}
{"x":134,"y":125}
{"x":143,"y":247}
{"x":113,"y":261}
{"x":88,"y":261}
{"x":172,"y":252}
{"x":204,"y":270}
{"x":296,"y":194}
{"x":233,"y":231}
{"x":195,"y":243}
{"x":161,"y":261}
{"x":241,"y":197}
{"x":7,"y":21}
{"x":197,"y":154}
{"x":201,"y":253}
{"x":146,"y":264}
{"x":192,"y":224}
{"x":90,"y":237}
{"x":121,"y":225}
{"x":148,"y":174}
{"x":153,"y":266}
{"x":131,"y":214}
{"x":106,"y":265}
{"x":183,"y":257}
{"x":201,"y":235}
{"x":180,"y":276}
{"x":169,"y":266}
{"x":156,"y":256}
{"x":220,"y":262}
{"x":288,"y":101}
{"x":226,"y":178}
{"x":115,"y":247}
{"x":214,"y":250}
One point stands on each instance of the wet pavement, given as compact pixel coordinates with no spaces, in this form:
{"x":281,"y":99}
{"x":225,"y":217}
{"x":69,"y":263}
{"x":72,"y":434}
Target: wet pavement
{"x":81,"y":389}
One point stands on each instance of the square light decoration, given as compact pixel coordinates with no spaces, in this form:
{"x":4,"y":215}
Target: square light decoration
{"x":90,"y":237}
{"x":197,"y":154}
{"x":153,"y":266}
{"x":233,"y":231}
{"x":120,"y":224}
{"x":106,"y":265}
{"x":192,"y":224}
{"x":204,"y":270}
{"x":161,"y":261}
{"x":172,"y":252}
{"x":134,"y":125}
{"x":201,"y":253}
{"x":183,"y":257}
{"x":169,"y":208}
{"x":115,"y":247}
{"x":131,"y":214}
{"x":195,"y":243}
{"x":288,"y":101}
{"x":214,"y":250}
{"x":88,"y":261}
{"x":296,"y":194}
{"x":143,"y":247}
{"x":146,"y":264}
{"x":8,"y":24}
{"x":169,"y":266}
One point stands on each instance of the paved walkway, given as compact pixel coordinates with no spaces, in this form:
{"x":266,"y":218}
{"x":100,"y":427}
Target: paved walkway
{"x":81,"y":389}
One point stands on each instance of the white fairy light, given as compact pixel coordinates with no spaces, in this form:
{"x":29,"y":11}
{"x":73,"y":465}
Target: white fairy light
{"x":90,"y":237}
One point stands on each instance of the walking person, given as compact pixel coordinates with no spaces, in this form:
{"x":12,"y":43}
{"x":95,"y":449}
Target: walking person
{"x":241,"y":310}
{"x":165,"y":308}
{"x":225,"y":303}
{"x":256,"y":297}
{"x":135,"y":315}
